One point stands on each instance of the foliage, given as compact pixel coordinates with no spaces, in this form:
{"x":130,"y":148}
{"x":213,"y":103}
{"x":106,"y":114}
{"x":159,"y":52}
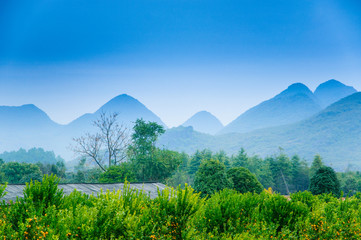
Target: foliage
{"x":244,"y":181}
{"x":2,"y":190}
{"x":45,"y":193}
{"x":33,"y":155}
{"x":46,"y":213}
{"x":325,"y":181}
{"x":119,"y":173}
{"x":150,"y":162}
{"x":211,"y":177}
{"x":197,"y":159}
{"x":16,"y":173}
{"x":316,"y":164}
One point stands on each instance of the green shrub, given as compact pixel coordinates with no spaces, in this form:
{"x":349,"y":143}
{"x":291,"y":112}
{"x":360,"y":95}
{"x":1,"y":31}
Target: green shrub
{"x":118,"y":173}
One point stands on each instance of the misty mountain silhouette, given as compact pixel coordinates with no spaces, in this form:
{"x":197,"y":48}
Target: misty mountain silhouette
{"x":334,"y":133}
{"x":27,"y":126}
{"x":24,"y":118}
{"x":331,"y":91}
{"x":295,"y":103}
{"x":128,"y":109}
{"x":204,"y":122}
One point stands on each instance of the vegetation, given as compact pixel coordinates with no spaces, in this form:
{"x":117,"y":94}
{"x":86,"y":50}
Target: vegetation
{"x":228,"y":200}
{"x":33,"y":155}
{"x":108,"y":145}
{"x":325,"y":181}
{"x":46,"y":213}
{"x":211,"y":177}
{"x":244,"y":181}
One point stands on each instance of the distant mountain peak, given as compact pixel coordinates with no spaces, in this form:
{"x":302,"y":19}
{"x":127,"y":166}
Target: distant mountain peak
{"x":120,"y":103}
{"x":295,"y":103}
{"x":128,"y":109}
{"x":331,"y":91}
{"x":204,"y":122}
{"x":296,"y":88}
{"x":331,"y":83}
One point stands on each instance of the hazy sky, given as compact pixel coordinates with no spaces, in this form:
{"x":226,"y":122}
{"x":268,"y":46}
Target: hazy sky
{"x":177,"y":57}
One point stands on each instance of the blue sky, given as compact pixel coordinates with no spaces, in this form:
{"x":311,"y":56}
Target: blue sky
{"x":177,"y":57}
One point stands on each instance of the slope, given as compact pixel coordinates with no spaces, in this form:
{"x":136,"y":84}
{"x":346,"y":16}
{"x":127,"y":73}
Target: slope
{"x":204,"y":122}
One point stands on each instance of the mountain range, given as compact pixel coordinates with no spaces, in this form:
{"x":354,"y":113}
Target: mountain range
{"x":295,"y":103}
{"x":300,"y":121}
{"x":334,"y":133}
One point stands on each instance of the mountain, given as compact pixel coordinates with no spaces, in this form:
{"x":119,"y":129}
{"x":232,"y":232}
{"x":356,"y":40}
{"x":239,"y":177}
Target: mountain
{"x":331,"y":91}
{"x":334,"y":133}
{"x":128,"y":108}
{"x":27,"y":126}
{"x":204,"y":122}
{"x":24,"y":118}
{"x":295,"y":103}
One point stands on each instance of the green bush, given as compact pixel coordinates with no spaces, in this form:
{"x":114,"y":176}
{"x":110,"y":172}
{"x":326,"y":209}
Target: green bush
{"x":177,"y":214}
{"x":118,"y":173}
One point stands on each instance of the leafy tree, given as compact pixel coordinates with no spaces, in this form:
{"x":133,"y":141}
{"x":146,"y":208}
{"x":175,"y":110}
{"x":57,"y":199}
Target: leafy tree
{"x":300,"y":180}
{"x":325,"y":181}
{"x":350,"y":185}
{"x":222,"y":157}
{"x":14,"y":172}
{"x":281,"y":169}
{"x":165,"y":162}
{"x":241,"y":159}
{"x":211,"y":177}
{"x":57,"y":169}
{"x":197,"y":159}
{"x":118,"y":173}
{"x":33,"y":155}
{"x":244,"y":181}
{"x":150,"y":162}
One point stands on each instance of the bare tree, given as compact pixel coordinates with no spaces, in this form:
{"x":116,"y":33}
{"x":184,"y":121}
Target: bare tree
{"x":109,"y":143}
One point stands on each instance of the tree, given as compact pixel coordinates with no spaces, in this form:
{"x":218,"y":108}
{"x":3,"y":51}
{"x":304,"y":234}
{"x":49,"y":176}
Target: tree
{"x":197,"y":159}
{"x":325,"y":181}
{"x":241,"y":159}
{"x":244,"y":181}
{"x":109,"y":144}
{"x":300,"y":180}
{"x":316,"y":164}
{"x":280,"y":167}
{"x":211,"y":177}
{"x":14,"y":172}
{"x":143,"y":151}
{"x":222,"y":157}
{"x":119,"y":173}
{"x":350,"y":185}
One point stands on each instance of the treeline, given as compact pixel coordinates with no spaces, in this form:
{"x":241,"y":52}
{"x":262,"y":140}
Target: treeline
{"x":140,"y":160}
{"x":33,"y":155}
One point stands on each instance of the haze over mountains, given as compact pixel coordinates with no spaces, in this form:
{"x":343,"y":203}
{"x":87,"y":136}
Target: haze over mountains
{"x":332,"y":91}
{"x":204,"y":122}
{"x":296,"y":103}
{"x":297,"y":120}
{"x":334,"y":133}
{"x":27,"y":126}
